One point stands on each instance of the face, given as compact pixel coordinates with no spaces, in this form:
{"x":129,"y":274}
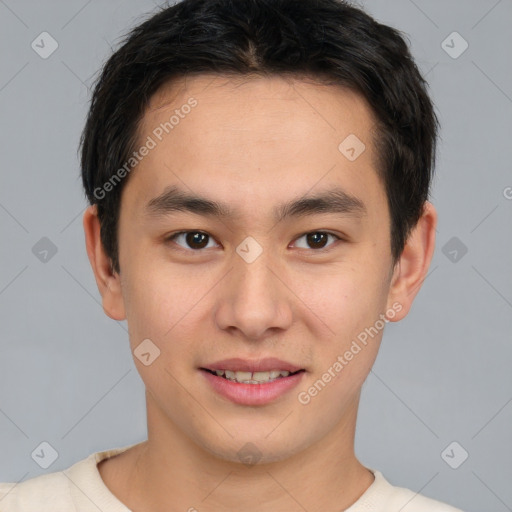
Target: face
{"x":285,"y":264}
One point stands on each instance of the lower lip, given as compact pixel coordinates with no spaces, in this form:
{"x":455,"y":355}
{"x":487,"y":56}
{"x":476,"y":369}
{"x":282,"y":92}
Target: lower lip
{"x":252,"y":394}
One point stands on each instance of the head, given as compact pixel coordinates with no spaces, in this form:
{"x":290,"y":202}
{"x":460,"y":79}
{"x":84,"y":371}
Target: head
{"x":299,"y":133}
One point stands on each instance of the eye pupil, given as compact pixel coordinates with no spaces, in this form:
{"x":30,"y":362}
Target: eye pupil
{"x":315,"y":238}
{"x":195,"y":237}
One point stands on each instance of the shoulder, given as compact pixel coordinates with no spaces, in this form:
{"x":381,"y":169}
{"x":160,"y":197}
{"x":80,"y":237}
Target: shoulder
{"x":406,"y":500}
{"x":49,"y":492}
{"x":78,"y":488}
{"x":382,"y":496}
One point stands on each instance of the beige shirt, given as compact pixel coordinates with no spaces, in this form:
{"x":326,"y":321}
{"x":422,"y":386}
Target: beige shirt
{"x":80,"y":488}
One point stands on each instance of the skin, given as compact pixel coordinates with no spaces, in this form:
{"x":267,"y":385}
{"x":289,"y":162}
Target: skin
{"x":252,"y":144}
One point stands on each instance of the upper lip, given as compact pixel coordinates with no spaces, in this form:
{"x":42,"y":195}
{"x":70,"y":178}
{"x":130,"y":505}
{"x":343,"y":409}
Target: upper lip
{"x":261,"y":365}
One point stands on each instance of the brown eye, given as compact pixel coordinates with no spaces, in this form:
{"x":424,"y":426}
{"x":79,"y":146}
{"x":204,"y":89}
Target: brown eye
{"x":195,"y":240}
{"x":317,"y":239}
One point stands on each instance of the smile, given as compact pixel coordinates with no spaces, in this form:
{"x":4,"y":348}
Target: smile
{"x":243,"y":377}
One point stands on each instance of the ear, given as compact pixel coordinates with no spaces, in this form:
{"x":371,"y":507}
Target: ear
{"x":411,"y":269}
{"x":108,"y":281}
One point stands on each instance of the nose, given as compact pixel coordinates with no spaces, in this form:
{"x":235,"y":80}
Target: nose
{"x":254,"y":300}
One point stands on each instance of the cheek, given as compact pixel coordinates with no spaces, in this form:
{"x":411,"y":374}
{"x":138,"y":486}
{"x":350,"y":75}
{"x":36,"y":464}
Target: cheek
{"x":152,"y":303}
{"x":163,"y":306}
{"x":349,"y":302}
{"x":140,"y":305}
{"x":357,"y":299}
{"x":346,"y":299}
{"x":157,"y":311}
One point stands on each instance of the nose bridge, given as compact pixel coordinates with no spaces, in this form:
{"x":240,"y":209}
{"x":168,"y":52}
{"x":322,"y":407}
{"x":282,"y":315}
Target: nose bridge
{"x":254,"y":300}
{"x":254,"y":275}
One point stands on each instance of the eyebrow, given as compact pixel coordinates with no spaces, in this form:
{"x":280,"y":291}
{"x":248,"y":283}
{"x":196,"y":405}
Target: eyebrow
{"x":334,"y":200}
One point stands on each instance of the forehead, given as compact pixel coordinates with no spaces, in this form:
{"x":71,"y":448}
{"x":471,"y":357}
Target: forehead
{"x":258,"y":137}
{"x":268,"y":99}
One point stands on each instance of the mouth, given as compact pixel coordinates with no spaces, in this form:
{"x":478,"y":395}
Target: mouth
{"x":252,"y":382}
{"x":244,"y":377}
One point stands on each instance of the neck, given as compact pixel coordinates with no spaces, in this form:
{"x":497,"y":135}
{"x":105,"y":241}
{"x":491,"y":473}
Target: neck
{"x":171,"y":472}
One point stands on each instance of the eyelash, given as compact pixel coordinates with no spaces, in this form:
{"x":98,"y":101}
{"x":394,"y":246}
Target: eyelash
{"x":172,"y":237}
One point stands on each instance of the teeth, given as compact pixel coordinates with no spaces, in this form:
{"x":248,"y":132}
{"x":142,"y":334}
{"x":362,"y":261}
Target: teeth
{"x":243,"y":376}
{"x":261,"y":376}
{"x":252,"y":377}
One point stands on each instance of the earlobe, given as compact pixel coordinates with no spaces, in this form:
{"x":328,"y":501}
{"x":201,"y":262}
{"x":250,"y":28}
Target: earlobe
{"x":412,"y":267}
{"x":107,"y":280}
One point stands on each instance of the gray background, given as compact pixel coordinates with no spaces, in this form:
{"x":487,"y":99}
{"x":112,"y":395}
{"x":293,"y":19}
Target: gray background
{"x":443,"y":373}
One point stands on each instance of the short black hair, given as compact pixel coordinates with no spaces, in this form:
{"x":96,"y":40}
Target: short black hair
{"x":329,"y":40}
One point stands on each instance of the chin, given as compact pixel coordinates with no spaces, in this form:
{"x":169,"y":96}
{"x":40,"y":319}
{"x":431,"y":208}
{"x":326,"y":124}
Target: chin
{"x":251,"y":447}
